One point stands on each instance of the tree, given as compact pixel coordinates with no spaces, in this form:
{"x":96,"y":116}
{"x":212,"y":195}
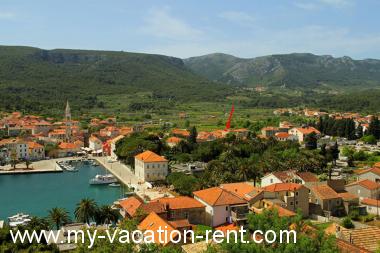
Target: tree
{"x":359,"y":131}
{"x":374,"y":127}
{"x":347,"y":223}
{"x":106,"y":215}
{"x":14,"y":159}
{"x":193,"y":135}
{"x":28,"y":163}
{"x":58,"y":217}
{"x":86,"y":210}
{"x":311,"y":141}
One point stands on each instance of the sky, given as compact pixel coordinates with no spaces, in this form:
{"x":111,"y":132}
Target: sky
{"x":185,"y":28}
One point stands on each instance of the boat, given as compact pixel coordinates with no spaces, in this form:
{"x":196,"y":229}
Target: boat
{"x":103,"y":179}
{"x":114,"y":185}
{"x":19,"y":219}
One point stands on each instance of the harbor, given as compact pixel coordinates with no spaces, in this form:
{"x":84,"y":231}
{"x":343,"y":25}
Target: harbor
{"x":36,"y":193}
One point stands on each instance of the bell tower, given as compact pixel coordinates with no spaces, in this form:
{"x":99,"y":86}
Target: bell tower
{"x":68,"y":122}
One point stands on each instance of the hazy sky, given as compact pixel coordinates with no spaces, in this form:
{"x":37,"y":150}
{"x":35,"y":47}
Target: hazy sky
{"x":183,"y":28}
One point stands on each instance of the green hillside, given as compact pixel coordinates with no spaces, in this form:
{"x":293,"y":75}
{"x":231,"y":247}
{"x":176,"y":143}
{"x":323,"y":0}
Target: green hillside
{"x":33,"y":79}
{"x":291,"y":70}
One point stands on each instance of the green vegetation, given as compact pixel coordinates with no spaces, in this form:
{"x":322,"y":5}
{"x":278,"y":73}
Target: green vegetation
{"x":347,"y":223}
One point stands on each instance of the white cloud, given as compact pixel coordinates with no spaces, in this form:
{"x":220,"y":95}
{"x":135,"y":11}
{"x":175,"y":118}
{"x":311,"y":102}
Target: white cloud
{"x":160,"y":23}
{"x":306,"y":5}
{"x":237,"y":17}
{"x":7,"y":15}
{"x":337,"y":3}
{"x":318,"y":4}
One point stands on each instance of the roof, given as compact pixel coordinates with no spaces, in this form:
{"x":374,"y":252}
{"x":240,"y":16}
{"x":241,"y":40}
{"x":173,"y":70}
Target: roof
{"x":149,"y":157}
{"x":377,"y":165}
{"x":283,"y":212}
{"x":116,"y":139}
{"x":67,"y":145}
{"x":278,"y":187}
{"x":371,"y":202}
{"x":348,"y":196}
{"x":368,"y":184}
{"x":130,"y":205}
{"x":153,"y":222}
{"x":346,"y":247}
{"x":307,"y":130}
{"x":290,"y":174}
{"x":375,"y":170}
{"x":93,"y":138}
{"x":182,"y":132}
{"x":307,"y":176}
{"x":367,"y":238}
{"x":173,"y":140}
{"x":226,"y":228}
{"x":239,"y":189}
{"x":325,"y":192}
{"x":217,"y":196}
{"x":181,"y":202}
{"x":33,"y":145}
{"x":282,"y":135}
{"x":180,"y":223}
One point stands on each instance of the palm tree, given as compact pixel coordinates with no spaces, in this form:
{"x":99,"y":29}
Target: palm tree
{"x":105,"y":214}
{"x":58,"y":216}
{"x":85,"y":210}
{"x":244,"y":169}
{"x":256,"y":169}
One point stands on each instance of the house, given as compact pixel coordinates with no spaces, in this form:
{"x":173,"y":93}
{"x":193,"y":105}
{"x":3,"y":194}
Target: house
{"x":290,"y":196}
{"x":282,"y":136}
{"x":222,"y":206}
{"x":95,"y":143}
{"x":364,"y":189}
{"x":325,"y":201}
{"x":112,"y":145}
{"x":133,"y":207}
{"x":180,"y":133}
{"x":155,"y":223}
{"x":350,"y":201}
{"x":150,"y":167}
{"x":17,"y":148}
{"x":372,"y":174}
{"x":184,"y":208}
{"x":372,"y":205}
{"x":173,"y":141}
{"x":241,"y":189}
{"x":67,"y":149}
{"x":269,"y":131}
{"x":290,"y":176}
{"x":367,"y":238}
{"x":301,"y":132}
{"x":36,"y":151}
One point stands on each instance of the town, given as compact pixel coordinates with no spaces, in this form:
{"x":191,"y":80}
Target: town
{"x":324,"y":171}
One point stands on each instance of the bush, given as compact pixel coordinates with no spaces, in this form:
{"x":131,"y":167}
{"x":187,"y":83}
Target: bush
{"x":347,"y":223}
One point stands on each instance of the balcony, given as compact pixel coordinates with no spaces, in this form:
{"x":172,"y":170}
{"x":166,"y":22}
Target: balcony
{"x":239,"y":213}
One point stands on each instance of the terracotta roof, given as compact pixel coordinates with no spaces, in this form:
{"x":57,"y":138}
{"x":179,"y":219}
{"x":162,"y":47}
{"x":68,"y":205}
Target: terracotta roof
{"x":325,"y":192}
{"x":34,"y":145}
{"x":116,"y":139}
{"x":227,"y":227}
{"x":130,"y":205}
{"x":291,"y":174}
{"x":307,"y":176}
{"x":153,"y":222}
{"x":67,"y":145}
{"x":282,"y":135}
{"x":181,"y":202}
{"x":93,"y":138}
{"x":307,"y":130}
{"x":182,"y":132}
{"x":278,"y":187}
{"x":371,"y":202}
{"x":368,"y":184}
{"x":348,"y":196}
{"x":372,"y":170}
{"x":149,"y":156}
{"x":216,"y":196}
{"x":367,"y":238}
{"x":177,"y":224}
{"x":346,"y":247}
{"x":377,"y":165}
{"x":173,"y":140}
{"x":283,"y":212}
{"x":153,"y":206}
{"x":239,"y":189}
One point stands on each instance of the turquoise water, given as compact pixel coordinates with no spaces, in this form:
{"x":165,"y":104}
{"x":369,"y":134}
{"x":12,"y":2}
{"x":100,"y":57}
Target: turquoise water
{"x":35,"y":194}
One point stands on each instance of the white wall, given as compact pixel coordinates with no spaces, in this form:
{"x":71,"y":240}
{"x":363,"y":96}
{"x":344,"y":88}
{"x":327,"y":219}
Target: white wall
{"x":269,"y":180}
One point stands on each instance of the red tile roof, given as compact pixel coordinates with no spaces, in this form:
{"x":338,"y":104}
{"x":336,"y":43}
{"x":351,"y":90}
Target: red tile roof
{"x":375,"y":171}
{"x":173,"y":139}
{"x":149,"y":156}
{"x":130,"y":205}
{"x":368,"y":184}
{"x":67,"y":145}
{"x":181,"y":202}
{"x":371,"y":202}
{"x":154,"y":223}
{"x":325,"y":192}
{"x":278,"y":187}
{"x":216,"y":196}
{"x":239,"y":189}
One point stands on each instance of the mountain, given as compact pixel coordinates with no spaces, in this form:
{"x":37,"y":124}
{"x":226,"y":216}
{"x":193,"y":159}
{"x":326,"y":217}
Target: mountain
{"x":292,"y":70}
{"x":35,"y":79}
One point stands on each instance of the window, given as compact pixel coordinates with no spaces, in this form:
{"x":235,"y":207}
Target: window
{"x":296,"y":193}
{"x":186,"y":214}
{"x":226,"y":208}
{"x":271,"y":180}
{"x":291,"y":203}
{"x":296,"y":202}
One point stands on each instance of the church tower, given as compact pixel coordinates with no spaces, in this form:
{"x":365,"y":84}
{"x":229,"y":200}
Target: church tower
{"x":68,"y":122}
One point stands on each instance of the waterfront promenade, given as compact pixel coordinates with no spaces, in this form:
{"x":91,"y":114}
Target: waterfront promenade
{"x":43,"y":166}
{"x":124,"y":173}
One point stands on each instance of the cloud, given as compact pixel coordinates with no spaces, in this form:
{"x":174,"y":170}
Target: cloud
{"x":237,"y":17}
{"x":160,"y":23}
{"x":318,"y":4}
{"x":7,"y":15}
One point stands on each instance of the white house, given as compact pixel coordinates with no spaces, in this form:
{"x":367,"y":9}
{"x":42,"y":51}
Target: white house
{"x":36,"y":151}
{"x":221,"y":206}
{"x":372,"y":174}
{"x":289,"y":176}
{"x":16,"y":147}
{"x":94,"y":143}
{"x":150,"y":167}
{"x":113,"y":146}
{"x":372,"y":206}
{"x":302,"y":132}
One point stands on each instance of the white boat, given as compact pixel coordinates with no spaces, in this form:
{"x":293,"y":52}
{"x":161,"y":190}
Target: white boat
{"x":19,"y":219}
{"x":103,"y":179}
{"x":114,"y":185}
